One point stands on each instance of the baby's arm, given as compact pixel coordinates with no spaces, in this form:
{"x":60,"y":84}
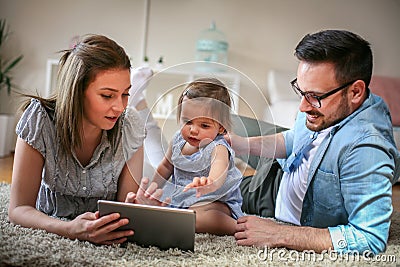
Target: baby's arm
{"x":217,"y":176}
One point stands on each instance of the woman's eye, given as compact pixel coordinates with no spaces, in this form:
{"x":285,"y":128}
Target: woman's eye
{"x":205,"y":126}
{"x":106,"y":96}
{"x":126,"y":95}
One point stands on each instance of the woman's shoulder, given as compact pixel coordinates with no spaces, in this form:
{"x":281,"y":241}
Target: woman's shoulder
{"x":132,"y":114}
{"x":36,"y":125}
{"x":34,"y":104}
{"x":133,"y":132}
{"x":35,"y":112}
{"x":133,"y":124}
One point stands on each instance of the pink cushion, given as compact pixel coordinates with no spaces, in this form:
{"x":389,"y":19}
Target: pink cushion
{"x":389,"y":89}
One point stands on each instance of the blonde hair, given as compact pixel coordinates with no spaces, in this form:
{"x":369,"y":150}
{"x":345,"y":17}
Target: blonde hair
{"x":210,"y":89}
{"x":78,"y":67}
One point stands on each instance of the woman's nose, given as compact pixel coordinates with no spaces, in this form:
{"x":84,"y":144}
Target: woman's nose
{"x":119,"y":105}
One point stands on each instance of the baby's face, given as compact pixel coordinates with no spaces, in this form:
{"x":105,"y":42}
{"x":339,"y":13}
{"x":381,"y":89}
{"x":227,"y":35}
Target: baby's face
{"x":197,"y":126}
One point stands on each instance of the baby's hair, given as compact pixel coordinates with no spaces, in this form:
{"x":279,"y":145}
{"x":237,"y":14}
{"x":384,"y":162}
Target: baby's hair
{"x":215,"y":94}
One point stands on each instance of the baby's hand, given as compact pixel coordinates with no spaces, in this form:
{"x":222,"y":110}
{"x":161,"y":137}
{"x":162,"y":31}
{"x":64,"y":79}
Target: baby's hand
{"x":203,"y":185}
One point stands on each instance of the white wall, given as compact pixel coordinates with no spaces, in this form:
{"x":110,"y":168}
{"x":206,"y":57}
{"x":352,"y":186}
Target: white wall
{"x":262,"y":34}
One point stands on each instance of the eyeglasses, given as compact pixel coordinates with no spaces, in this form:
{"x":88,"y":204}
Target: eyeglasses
{"x":313,"y":99}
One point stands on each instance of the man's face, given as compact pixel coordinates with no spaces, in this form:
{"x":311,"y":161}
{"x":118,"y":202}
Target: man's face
{"x":319,"y":78}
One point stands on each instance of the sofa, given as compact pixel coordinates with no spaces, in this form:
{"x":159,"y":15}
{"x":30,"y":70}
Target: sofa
{"x":260,"y":188}
{"x":283,"y":102}
{"x":389,"y":89}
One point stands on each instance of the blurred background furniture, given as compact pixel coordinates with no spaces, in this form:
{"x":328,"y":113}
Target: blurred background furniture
{"x":389,"y":89}
{"x":7,"y":134}
{"x":284,"y":102}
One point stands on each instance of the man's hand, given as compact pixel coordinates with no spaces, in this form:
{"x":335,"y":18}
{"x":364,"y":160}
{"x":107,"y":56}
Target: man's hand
{"x":256,"y":231}
{"x":261,"y":232}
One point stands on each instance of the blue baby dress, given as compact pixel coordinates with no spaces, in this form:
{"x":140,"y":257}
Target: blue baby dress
{"x":186,"y":167}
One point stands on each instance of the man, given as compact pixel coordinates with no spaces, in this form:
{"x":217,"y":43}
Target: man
{"x":339,"y":160}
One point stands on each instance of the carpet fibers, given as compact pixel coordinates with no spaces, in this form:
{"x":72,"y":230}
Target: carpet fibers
{"x":26,"y":247}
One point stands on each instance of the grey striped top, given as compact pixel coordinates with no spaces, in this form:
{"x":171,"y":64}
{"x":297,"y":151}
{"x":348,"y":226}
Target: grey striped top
{"x":69,"y":189}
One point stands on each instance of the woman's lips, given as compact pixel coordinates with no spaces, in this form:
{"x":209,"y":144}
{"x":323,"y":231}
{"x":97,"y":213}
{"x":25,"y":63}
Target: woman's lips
{"x":112,"y":119}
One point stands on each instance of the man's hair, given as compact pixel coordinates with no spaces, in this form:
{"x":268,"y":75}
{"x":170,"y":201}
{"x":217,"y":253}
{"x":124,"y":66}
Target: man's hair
{"x":350,"y":54}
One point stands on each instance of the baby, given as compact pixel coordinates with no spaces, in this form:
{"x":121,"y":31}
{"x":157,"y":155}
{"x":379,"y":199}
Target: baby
{"x":200,"y":162}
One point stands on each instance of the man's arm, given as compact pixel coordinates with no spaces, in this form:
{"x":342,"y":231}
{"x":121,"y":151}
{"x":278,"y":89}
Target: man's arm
{"x":365,"y":183}
{"x":253,"y":230}
{"x":269,"y":146}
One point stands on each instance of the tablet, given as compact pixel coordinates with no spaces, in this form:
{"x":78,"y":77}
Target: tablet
{"x":162,"y":227}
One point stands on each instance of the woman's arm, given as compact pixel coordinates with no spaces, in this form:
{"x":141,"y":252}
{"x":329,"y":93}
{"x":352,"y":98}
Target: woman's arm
{"x":135,"y":189}
{"x":165,"y":169}
{"x":26,"y":178}
{"x":150,"y":194}
{"x":131,"y":175}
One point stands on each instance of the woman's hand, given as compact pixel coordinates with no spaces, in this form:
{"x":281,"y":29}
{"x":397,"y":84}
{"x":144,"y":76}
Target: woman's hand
{"x":101,"y":230}
{"x":91,"y":227}
{"x":147,"y":194}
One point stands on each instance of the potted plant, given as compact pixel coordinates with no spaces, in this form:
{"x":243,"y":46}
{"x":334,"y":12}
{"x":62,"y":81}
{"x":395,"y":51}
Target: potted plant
{"x":6,"y":66}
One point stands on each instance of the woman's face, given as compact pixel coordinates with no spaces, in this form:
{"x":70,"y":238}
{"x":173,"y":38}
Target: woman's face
{"x":106,"y":98}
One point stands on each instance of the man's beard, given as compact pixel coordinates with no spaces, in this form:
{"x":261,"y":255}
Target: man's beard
{"x":342,"y":112}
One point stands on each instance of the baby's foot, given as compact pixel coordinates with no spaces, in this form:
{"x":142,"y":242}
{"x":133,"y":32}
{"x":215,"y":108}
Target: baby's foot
{"x":140,"y":78}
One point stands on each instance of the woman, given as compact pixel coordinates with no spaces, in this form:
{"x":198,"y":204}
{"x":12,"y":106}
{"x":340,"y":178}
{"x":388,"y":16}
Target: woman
{"x":81,"y":145}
